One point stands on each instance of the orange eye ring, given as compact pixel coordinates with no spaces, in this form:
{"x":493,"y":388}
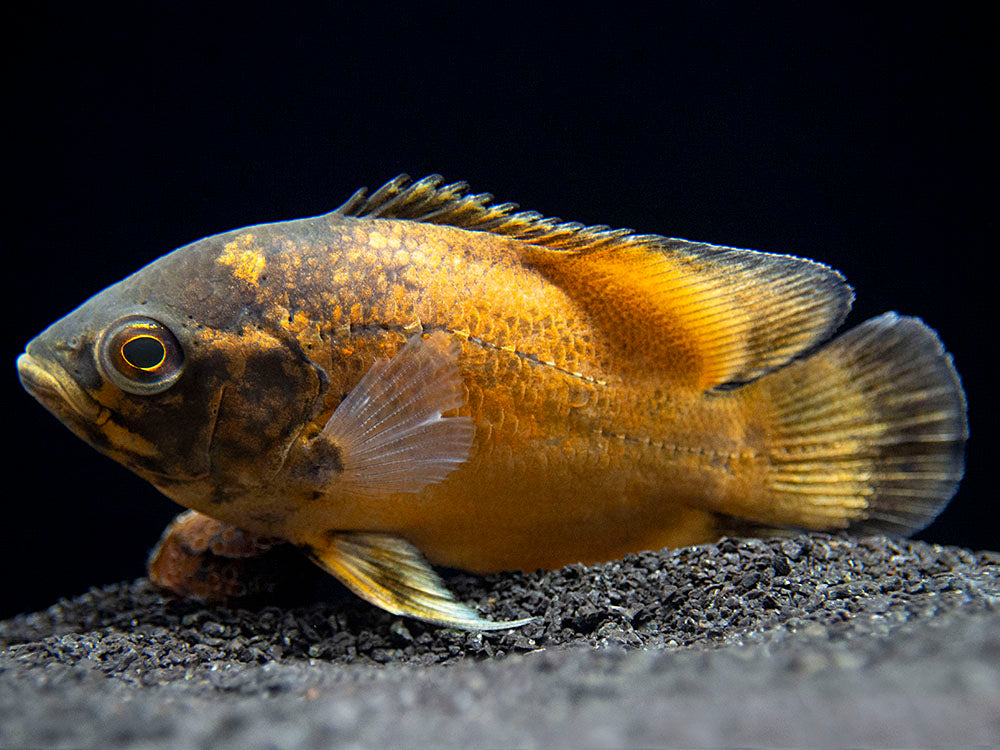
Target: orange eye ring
{"x":140,"y":355}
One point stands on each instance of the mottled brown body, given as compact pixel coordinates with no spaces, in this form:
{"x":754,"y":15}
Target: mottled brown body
{"x":626,"y":392}
{"x":625,"y":456}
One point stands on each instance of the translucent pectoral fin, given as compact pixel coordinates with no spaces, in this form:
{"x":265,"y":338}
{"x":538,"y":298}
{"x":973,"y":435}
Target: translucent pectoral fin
{"x":389,"y":434}
{"x":392,"y":574}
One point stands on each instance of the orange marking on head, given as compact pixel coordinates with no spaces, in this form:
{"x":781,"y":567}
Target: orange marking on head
{"x":244,"y":258}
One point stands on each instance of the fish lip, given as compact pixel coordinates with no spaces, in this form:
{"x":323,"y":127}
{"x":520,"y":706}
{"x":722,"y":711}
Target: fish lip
{"x":48,"y":382}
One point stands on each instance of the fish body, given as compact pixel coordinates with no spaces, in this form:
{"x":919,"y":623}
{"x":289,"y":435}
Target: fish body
{"x":423,"y":374}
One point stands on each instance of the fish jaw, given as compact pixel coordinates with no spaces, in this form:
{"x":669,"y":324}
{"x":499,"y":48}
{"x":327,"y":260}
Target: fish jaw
{"x":62,"y":395}
{"x":53,"y":387}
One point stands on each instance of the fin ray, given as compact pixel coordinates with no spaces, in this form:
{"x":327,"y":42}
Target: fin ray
{"x":428,"y":200}
{"x":708,"y":315}
{"x":392,"y":574}
{"x":389,"y":430}
{"x":870,"y":431}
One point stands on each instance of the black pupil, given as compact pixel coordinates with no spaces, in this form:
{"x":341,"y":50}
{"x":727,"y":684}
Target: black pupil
{"x":143,"y":352}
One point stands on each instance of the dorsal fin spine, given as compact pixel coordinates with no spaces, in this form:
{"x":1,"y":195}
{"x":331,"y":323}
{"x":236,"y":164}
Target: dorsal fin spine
{"x":427,"y":200}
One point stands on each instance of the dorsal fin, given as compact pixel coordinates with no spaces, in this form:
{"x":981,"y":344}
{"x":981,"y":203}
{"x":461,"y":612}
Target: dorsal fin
{"x":705,"y":315}
{"x":429,"y":201}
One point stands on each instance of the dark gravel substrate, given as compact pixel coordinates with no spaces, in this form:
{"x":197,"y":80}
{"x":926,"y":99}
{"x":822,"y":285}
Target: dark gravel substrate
{"x":813,"y":639}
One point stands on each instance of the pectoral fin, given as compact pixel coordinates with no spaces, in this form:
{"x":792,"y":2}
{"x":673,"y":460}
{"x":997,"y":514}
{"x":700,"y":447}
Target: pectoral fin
{"x":388,"y":435}
{"x":392,"y":574}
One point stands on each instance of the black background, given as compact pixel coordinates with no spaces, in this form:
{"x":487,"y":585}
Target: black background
{"x":858,"y":137}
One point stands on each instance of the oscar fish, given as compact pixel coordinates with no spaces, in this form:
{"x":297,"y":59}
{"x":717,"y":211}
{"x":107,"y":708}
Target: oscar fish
{"x":426,"y":377}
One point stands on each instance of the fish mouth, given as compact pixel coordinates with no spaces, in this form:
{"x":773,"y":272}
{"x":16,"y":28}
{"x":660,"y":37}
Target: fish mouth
{"x":48,"y":382}
{"x":58,"y":392}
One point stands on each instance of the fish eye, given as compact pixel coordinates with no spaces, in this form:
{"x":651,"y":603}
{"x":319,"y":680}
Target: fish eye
{"x":144,"y":352}
{"x":140,"y":355}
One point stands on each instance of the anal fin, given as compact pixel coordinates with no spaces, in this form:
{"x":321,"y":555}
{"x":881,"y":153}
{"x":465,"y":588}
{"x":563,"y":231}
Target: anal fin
{"x":392,"y":574}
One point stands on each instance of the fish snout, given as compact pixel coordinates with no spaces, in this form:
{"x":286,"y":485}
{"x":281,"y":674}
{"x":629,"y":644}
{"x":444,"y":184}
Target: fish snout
{"x":55,"y":389}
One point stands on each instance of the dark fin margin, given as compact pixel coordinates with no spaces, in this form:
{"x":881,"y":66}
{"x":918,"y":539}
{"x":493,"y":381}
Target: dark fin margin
{"x":870,"y":431}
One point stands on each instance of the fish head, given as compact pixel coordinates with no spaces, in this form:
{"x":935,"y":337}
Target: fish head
{"x":175,"y":373}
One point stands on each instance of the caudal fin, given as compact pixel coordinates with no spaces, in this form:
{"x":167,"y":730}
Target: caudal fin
{"x":869,"y":431}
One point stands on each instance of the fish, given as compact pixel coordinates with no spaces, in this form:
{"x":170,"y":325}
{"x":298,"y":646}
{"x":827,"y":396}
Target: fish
{"x":425,"y":377}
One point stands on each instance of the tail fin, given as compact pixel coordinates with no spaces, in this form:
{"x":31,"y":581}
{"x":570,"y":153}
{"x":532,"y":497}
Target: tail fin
{"x":869,"y":430}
